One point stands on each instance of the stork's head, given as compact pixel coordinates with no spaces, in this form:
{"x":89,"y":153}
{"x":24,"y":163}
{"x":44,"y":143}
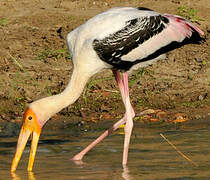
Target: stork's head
{"x":31,"y":126}
{"x":37,"y":114}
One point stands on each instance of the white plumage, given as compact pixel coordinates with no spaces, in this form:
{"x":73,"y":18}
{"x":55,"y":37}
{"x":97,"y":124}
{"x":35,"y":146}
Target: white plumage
{"x":119,"y":39}
{"x":109,"y":22}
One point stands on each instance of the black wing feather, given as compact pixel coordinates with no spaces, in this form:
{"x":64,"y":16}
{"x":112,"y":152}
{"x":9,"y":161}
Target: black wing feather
{"x":136,"y":32}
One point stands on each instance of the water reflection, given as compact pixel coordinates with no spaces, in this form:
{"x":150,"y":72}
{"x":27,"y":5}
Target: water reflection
{"x":31,"y":176}
{"x":79,"y":163}
{"x":125,"y":173}
{"x":15,"y":176}
{"x":150,"y":156}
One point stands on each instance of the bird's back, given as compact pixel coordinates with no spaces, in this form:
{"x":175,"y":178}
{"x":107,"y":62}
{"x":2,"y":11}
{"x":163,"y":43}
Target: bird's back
{"x":101,"y":26}
{"x":111,"y":21}
{"x":122,"y":37}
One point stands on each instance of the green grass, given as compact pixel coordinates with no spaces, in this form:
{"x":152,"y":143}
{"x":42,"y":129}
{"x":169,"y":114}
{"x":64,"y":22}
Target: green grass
{"x":91,"y":85}
{"x":49,"y":53}
{"x":203,"y":63}
{"x":19,"y":80}
{"x":195,"y":104}
{"x":49,"y":91}
{"x":137,"y":76}
{"x":4,"y":21}
{"x":188,"y":13}
{"x":31,"y":29}
{"x":16,"y":62}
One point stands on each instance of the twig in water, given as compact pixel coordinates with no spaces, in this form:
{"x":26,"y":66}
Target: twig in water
{"x":178,"y":151}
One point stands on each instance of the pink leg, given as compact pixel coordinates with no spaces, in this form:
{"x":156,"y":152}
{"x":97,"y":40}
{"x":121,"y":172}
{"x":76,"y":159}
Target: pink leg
{"x":129,"y":122}
{"x":120,"y":84}
{"x":80,"y":155}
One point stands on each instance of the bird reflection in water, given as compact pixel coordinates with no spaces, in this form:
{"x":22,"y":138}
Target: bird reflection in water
{"x":31,"y":176}
{"x":125,"y":173}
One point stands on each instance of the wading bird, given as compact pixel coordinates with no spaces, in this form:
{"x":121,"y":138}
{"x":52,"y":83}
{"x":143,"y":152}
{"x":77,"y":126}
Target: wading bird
{"x":116,"y":39}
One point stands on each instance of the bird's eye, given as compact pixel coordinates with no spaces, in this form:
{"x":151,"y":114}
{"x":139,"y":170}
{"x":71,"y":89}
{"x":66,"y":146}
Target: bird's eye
{"x":30,"y":118}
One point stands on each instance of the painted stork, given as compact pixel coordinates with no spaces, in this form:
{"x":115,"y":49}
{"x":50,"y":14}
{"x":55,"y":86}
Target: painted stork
{"x":116,"y":39}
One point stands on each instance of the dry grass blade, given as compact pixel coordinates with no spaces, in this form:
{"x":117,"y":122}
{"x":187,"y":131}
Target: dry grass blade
{"x":178,"y":151}
{"x":16,"y":62}
{"x":112,"y":91}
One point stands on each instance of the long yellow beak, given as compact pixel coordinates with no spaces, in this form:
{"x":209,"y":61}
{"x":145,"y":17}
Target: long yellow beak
{"x":30,"y":127}
{"x":22,"y":140}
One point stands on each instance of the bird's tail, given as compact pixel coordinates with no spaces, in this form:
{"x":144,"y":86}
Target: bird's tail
{"x":181,"y":28}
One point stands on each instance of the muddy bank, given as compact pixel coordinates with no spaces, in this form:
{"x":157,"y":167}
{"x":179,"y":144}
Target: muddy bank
{"x":78,"y":126}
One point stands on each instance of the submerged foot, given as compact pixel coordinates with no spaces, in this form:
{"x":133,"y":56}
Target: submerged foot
{"x":78,"y":162}
{"x":77,"y":157}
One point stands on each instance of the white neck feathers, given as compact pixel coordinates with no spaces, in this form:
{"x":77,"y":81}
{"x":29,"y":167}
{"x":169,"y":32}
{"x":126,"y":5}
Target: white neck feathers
{"x":47,"y":107}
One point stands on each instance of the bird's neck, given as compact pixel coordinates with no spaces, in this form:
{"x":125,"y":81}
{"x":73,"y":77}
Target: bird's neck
{"x":73,"y":90}
{"x":47,"y":107}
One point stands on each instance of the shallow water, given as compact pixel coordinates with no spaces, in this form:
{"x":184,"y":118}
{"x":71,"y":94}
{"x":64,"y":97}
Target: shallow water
{"x":150,"y":156}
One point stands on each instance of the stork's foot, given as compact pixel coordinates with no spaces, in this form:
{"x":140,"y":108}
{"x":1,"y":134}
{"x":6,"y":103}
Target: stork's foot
{"x":78,"y":162}
{"x":77,"y":157}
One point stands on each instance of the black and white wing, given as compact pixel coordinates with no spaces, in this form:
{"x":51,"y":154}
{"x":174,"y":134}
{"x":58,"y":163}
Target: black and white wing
{"x":118,"y":49}
{"x":141,"y":37}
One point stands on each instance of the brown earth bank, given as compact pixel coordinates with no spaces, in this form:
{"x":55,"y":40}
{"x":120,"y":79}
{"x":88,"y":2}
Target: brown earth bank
{"x":34,"y":63}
